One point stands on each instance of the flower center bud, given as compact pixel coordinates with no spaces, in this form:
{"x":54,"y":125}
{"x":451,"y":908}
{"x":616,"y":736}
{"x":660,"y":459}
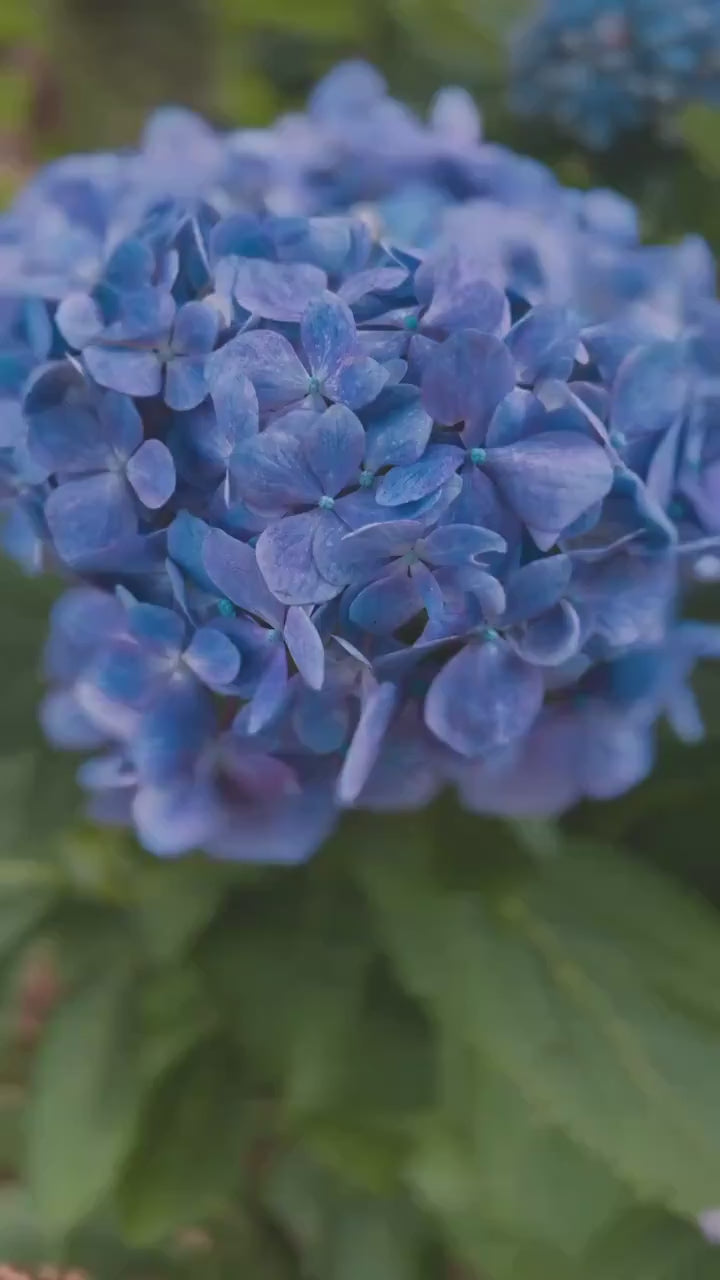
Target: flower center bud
{"x":490,"y":634}
{"x":226,"y":608}
{"x":411,"y":323}
{"x":478,"y":456}
{"x":314,"y":386}
{"x":326,"y":503}
{"x":366,"y":479}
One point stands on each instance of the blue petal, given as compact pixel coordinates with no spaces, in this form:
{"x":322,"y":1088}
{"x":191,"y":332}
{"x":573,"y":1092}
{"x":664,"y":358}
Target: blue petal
{"x":305,"y":647}
{"x":67,"y":440}
{"x":397,"y":428}
{"x":459,"y":543}
{"x":212,"y":656}
{"x":86,"y":516}
{"x":536,"y":587}
{"x":233,"y":567}
{"x":543,"y":344}
{"x":551,"y":479}
{"x":552,"y":638}
{"x":388,"y":603}
{"x":271,"y":474}
{"x":321,"y":720}
{"x":173,"y":732}
{"x":469,"y":303}
{"x":286,"y":560}
{"x":466,"y":378}
{"x":408,"y":484}
{"x":327,"y":332}
{"x":160,"y":631}
{"x":121,"y":423}
{"x":518,"y":416}
{"x":483,"y":699}
{"x":375,"y":717}
{"x":236,"y":405}
{"x":175,"y":818}
{"x":79,"y":320}
{"x":372,"y":280}
{"x":334,"y":447}
{"x":66,"y":725}
{"x":268,"y":360}
{"x":131,"y":265}
{"x":271,"y":692}
{"x":185,"y":540}
{"x":356,"y":383}
{"x":650,"y":391}
{"x":374,"y":543}
{"x":277,"y":291}
{"x":151,"y":472}
{"x":136,"y":373}
{"x":185,"y":384}
{"x":195,"y":329}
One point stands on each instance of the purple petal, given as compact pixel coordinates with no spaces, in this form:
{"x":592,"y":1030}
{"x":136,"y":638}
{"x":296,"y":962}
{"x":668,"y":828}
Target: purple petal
{"x":305,"y":647}
{"x":429,"y":590}
{"x":466,"y":378}
{"x":551,"y":479}
{"x":483,"y":699}
{"x":185,"y":384}
{"x":268,"y":360}
{"x":151,"y":472}
{"x":286,"y":560}
{"x":135,"y":373}
{"x":271,"y":474}
{"x":233,"y":567}
{"x":68,"y":439}
{"x":356,"y":383}
{"x":195,"y":330}
{"x":459,"y":543}
{"x":277,"y":291}
{"x":327,"y":332}
{"x":334,"y":447}
{"x":397,"y":428}
{"x":552,"y":638}
{"x":321,"y":720}
{"x":387,"y":604}
{"x":537,"y":587}
{"x":366,"y":742}
{"x":86,"y":516}
{"x":213,"y":657}
{"x":408,"y":484}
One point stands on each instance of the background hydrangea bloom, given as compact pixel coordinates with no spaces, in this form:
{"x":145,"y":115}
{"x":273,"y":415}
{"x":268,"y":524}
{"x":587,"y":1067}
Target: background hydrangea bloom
{"x":598,"y":67}
{"x":379,"y":463}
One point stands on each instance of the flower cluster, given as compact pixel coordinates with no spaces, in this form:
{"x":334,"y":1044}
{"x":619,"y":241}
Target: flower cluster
{"x":600,"y":67}
{"x":376,"y":460}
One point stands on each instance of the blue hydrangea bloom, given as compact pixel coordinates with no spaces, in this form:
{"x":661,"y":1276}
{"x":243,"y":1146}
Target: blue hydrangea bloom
{"x":599,"y":67}
{"x":377,"y":460}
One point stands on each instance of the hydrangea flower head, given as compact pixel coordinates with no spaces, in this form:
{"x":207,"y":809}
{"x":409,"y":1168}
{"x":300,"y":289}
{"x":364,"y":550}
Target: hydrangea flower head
{"x":600,"y":67}
{"x":360,"y":485}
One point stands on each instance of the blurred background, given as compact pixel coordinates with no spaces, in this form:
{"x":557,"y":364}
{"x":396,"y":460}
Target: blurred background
{"x":83,"y":74}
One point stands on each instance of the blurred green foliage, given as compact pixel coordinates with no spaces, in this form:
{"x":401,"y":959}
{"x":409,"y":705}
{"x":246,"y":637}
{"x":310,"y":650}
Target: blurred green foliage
{"x":448,"y":1049}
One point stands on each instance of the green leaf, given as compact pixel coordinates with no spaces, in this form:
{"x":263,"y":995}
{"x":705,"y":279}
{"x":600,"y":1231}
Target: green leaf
{"x":84,"y":1101}
{"x":699,"y":125}
{"x":175,"y":902}
{"x":489,"y":1167}
{"x":647,"y":1244}
{"x":592,"y":987}
{"x":187,"y":1161}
